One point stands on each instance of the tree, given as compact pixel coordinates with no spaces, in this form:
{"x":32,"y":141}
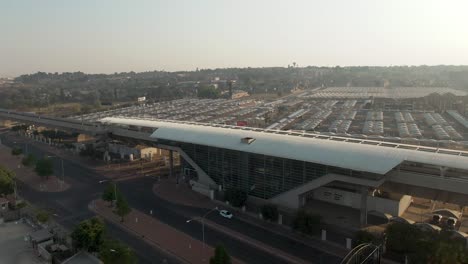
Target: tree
{"x":236,"y":197}
{"x":363,"y":236}
{"x":110,"y":193}
{"x":402,"y":238}
{"x":29,"y":160}
{"x":113,"y":251}
{"x":307,"y":223}
{"x":7,"y":181}
{"x":123,"y":208}
{"x":21,"y":205}
{"x":270,"y":212}
{"x":89,"y":234}
{"x":42,"y":216}
{"x":426,"y":247}
{"x":448,"y":251}
{"x":44,"y":167}
{"x":16,"y":151}
{"x":208,"y":91}
{"x":221,"y":256}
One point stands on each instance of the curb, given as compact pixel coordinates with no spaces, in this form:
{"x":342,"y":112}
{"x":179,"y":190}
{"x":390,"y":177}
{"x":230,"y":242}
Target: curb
{"x":254,"y":243}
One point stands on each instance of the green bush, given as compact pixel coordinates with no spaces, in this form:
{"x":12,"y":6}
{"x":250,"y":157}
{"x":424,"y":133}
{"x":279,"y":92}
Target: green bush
{"x":270,"y":212}
{"x":42,"y":216}
{"x":112,"y":251}
{"x":89,"y":234}
{"x":7,"y":181}
{"x":29,"y":160}
{"x":307,"y":223}
{"x":425,"y":247}
{"x":44,"y":167}
{"x":16,"y":151}
{"x":221,"y":256}
{"x":236,"y":197}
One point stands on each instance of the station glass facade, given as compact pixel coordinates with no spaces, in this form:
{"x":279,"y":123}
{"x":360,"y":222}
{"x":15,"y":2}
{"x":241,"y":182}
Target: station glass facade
{"x":259,"y":175}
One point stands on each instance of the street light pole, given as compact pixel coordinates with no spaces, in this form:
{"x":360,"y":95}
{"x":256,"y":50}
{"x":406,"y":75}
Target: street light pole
{"x":203,"y":227}
{"x":15,"y":190}
{"x":63,"y":170}
{"x":115,"y":193}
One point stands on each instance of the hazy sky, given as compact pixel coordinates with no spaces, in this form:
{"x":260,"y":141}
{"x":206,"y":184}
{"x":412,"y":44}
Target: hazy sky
{"x":111,"y":35}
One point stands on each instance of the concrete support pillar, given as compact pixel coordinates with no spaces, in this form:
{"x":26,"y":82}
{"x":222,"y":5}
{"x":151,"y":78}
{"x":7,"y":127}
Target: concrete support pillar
{"x":171,"y":163}
{"x":280,"y":219}
{"x":324,"y":235}
{"x":130,"y":157}
{"x":302,"y":200}
{"x":443,"y":170}
{"x":363,"y":206}
{"x":50,"y":141}
{"x":348,"y":243}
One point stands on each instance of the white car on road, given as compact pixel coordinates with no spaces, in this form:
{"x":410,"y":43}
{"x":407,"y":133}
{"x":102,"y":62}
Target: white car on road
{"x":225,"y":214}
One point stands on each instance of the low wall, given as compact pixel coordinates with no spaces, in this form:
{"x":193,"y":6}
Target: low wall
{"x":353,"y":200}
{"x":201,"y":189}
{"x":41,"y":250}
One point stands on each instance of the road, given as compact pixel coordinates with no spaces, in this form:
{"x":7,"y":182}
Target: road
{"x":71,"y":206}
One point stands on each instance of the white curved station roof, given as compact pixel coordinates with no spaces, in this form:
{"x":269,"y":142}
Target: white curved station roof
{"x":355,"y":156}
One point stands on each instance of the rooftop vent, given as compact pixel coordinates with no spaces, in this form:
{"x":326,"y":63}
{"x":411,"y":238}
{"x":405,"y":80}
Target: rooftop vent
{"x":247,"y":140}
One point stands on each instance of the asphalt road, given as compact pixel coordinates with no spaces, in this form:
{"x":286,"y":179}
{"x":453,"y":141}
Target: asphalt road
{"x":71,"y":207}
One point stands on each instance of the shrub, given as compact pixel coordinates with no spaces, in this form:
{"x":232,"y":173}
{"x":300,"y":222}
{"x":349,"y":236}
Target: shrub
{"x":236,"y":197}
{"x":363,"y":236}
{"x":270,"y":212}
{"x":42,"y":216}
{"x":44,"y":167}
{"x":307,"y":223}
{"x":221,"y":256}
{"x":16,"y":151}
{"x":29,"y":160}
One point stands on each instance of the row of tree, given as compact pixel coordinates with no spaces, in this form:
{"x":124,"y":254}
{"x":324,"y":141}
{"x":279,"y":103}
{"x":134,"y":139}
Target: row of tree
{"x":112,"y":195}
{"x":43,"y":167}
{"x":90,"y":235}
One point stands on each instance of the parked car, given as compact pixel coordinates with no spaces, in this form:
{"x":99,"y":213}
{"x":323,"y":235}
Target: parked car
{"x":451,"y":222}
{"x":436,"y":218}
{"x":225,"y":214}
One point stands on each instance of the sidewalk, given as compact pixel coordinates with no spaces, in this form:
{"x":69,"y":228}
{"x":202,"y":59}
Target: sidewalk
{"x":185,"y":248}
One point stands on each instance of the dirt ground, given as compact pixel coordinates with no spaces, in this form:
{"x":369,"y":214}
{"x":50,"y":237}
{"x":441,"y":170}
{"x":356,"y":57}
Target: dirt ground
{"x":27,"y":175}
